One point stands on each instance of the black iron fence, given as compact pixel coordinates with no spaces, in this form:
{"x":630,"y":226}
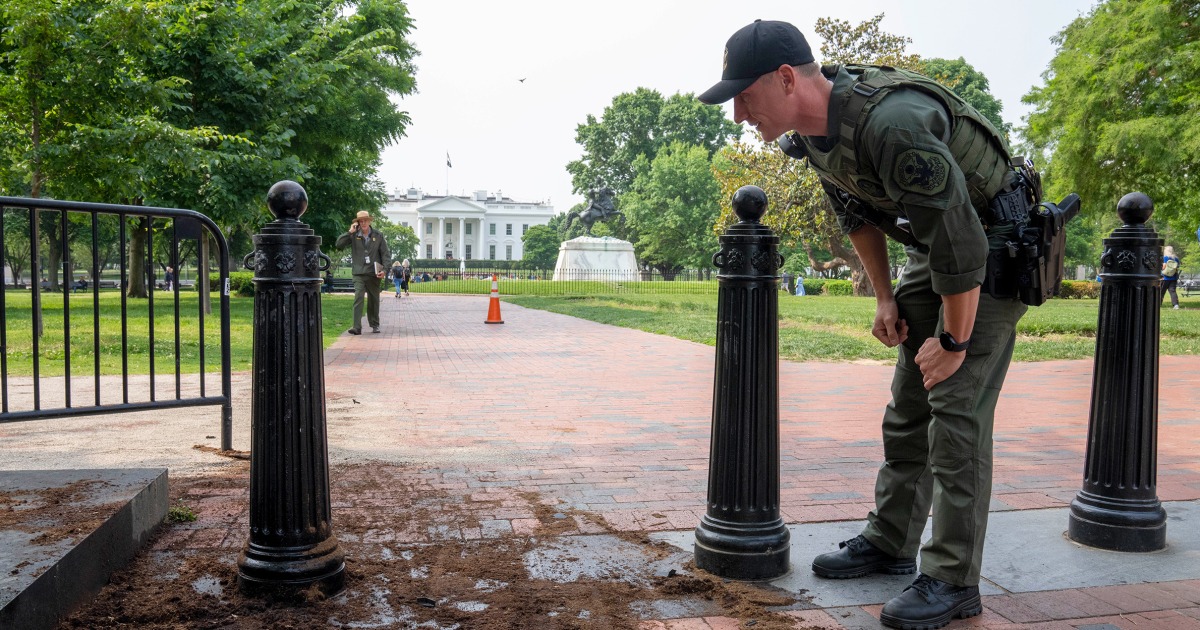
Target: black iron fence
{"x":548,"y":282}
{"x":94,"y":316}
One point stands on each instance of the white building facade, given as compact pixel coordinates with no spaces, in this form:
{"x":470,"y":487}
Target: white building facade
{"x":480,"y":226}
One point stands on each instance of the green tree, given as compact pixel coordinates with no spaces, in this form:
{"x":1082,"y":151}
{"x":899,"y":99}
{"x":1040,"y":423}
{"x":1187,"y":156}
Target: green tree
{"x":864,"y":43}
{"x":402,"y":240}
{"x":308,"y":83}
{"x":671,"y":207}
{"x":1119,"y":109}
{"x":969,"y":84}
{"x":540,"y":246}
{"x":641,"y":123}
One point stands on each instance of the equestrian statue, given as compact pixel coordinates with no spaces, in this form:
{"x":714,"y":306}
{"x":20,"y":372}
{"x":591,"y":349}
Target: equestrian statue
{"x":600,"y":208}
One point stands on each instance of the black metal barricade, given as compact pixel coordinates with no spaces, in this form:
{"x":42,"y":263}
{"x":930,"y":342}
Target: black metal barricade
{"x":30,"y":336}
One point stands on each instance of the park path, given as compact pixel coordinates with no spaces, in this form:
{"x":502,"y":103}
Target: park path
{"x":616,"y":421}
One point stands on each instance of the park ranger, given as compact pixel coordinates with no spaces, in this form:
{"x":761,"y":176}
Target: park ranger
{"x":899,"y":156}
{"x":369,"y":257}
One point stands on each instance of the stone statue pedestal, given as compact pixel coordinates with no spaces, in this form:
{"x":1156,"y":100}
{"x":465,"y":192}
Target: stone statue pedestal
{"x":596,"y":258}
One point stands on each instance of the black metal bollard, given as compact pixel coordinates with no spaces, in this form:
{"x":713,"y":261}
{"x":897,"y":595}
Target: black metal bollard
{"x":291,"y":547}
{"x":1118,"y":508}
{"x":742,"y":535}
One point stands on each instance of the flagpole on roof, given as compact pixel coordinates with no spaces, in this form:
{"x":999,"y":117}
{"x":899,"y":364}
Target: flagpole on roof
{"x":448,"y":167}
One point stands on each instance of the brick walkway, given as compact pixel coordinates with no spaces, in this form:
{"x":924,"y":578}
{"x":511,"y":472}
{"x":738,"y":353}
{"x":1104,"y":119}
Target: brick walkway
{"x":616,"y":422}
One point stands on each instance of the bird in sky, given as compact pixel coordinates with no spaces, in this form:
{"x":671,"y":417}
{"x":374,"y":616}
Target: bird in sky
{"x":521,"y":80}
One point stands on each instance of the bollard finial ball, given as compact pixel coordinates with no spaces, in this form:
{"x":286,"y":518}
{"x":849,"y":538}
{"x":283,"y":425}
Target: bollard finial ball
{"x":1135,"y":208}
{"x":287,"y":200}
{"x":750,"y":203}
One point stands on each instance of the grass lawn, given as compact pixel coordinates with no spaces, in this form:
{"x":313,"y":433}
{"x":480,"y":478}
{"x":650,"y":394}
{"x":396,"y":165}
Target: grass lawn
{"x":18,"y":323}
{"x":827,"y":328}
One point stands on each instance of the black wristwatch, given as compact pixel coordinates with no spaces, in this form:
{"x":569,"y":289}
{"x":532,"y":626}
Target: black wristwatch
{"x":950,"y":344}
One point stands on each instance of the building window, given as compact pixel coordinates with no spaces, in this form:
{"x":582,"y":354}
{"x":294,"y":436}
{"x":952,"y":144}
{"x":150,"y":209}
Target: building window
{"x":492,"y":251}
{"x":405,"y":224}
{"x":508,"y":229}
{"x":524,"y":229}
{"x":492,"y":231}
{"x":449,"y":228}
{"x":508,"y":252}
{"x":468,"y":253}
{"x":429,"y":227}
{"x":468,"y":229}
{"x":429,"y":251}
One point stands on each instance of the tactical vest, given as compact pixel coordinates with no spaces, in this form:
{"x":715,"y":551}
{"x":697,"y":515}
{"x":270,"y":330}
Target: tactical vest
{"x":980,"y":150}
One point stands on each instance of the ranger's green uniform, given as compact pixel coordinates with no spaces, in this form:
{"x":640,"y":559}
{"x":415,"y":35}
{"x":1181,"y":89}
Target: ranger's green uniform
{"x":917,"y":152}
{"x":366,"y":249}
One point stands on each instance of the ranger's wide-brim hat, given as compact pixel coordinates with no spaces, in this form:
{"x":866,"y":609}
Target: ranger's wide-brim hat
{"x":756,"y":49}
{"x":362,"y":215}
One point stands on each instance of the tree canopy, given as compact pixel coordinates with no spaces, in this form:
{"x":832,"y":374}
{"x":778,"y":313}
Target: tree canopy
{"x":202,"y":103}
{"x":671,"y":207}
{"x":1119,"y":109}
{"x":641,"y":123}
{"x":540,"y":245}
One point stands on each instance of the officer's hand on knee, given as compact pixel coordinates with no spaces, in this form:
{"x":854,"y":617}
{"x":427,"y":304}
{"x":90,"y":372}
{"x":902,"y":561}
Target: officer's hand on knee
{"x":936,"y":363}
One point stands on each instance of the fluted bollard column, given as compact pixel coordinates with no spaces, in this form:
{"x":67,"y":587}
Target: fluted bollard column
{"x":1118,"y":508}
{"x":742,"y":535}
{"x":291,"y":546}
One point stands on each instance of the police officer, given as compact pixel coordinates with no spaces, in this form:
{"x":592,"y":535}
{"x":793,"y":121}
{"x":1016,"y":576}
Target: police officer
{"x":901,"y":156}
{"x":369,"y":256}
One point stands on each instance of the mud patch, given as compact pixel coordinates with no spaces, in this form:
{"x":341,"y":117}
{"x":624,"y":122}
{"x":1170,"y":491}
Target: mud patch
{"x":417,"y":556}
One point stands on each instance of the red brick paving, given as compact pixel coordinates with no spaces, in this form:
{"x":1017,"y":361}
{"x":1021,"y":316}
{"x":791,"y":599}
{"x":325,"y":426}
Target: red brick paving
{"x":616,"y":422}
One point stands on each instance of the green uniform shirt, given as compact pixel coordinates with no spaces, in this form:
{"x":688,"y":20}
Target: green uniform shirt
{"x":365,"y":250}
{"x":906,"y":170}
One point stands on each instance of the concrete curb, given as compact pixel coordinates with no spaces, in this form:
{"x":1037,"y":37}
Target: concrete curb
{"x":41,"y":584}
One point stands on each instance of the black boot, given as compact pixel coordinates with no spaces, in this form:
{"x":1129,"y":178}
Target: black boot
{"x":858,"y":557}
{"x":927,"y":604}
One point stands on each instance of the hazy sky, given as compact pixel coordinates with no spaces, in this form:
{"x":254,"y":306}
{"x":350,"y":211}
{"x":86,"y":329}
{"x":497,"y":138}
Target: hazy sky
{"x":517,"y":137}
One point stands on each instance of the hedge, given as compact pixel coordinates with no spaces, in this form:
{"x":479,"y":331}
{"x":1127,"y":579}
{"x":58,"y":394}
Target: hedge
{"x":240,"y":282}
{"x":836,"y":287}
{"x":1079,"y":289}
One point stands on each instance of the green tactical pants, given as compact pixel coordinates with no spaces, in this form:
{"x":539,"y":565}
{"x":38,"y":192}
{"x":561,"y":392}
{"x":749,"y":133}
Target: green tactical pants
{"x":366,"y":285}
{"x":938,"y":444}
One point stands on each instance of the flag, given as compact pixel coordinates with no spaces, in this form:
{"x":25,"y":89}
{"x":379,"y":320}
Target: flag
{"x":448,"y":164}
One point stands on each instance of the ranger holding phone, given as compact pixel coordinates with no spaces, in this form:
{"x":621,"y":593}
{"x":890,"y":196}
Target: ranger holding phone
{"x":369,"y":258}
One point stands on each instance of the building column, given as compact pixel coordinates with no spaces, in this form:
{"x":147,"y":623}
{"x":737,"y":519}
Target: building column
{"x":419,"y":230}
{"x":438,"y":250}
{"x":462,"y":239}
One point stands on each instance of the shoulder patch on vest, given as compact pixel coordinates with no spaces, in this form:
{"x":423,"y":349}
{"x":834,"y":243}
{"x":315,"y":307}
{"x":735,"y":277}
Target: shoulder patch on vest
{"x":921,"y":172}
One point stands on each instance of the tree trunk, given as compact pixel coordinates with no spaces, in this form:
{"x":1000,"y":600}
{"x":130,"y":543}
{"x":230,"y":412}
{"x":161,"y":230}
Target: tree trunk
{"x":858,"y":276}
{"x":137,"y":260}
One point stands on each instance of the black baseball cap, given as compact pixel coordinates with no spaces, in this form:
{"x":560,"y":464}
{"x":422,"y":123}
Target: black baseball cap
{"x":756,"y":49}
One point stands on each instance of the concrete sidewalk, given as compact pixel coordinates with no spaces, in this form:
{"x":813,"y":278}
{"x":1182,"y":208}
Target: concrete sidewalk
{"x":548,"y":410}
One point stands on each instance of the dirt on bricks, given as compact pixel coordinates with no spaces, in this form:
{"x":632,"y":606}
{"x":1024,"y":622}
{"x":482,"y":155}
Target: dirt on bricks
{"x":416,"y":556}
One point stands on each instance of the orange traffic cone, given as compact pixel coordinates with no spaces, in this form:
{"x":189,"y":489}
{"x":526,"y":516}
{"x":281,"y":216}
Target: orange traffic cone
{"x":494,"y":307}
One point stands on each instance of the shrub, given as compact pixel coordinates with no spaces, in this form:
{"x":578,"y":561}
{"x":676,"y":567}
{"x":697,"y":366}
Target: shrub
{"x":838,"y":287}
{"x":812,"y":286}
{"x":1079,"y":289}
{"x":240,"y":282}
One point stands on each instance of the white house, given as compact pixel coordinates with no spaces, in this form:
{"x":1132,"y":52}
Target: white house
{"x":475,"y":227}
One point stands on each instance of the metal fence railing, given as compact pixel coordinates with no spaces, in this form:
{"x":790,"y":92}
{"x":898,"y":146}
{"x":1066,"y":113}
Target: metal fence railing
{"x":94,"y":318}
{"x":576,"y":282}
